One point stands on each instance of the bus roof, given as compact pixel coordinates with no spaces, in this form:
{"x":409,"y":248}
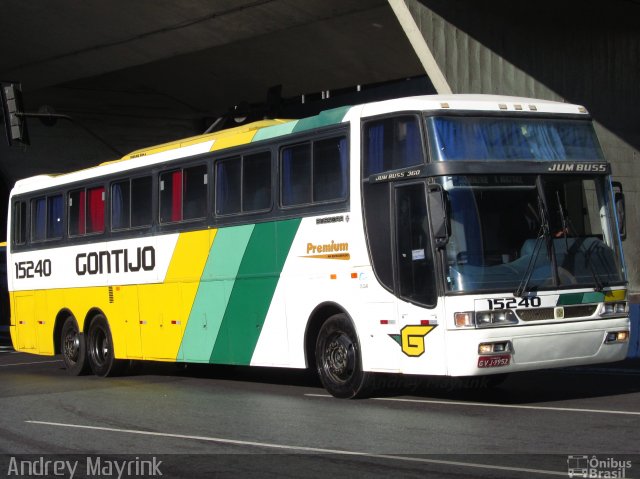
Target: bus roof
{"x":265,"y":129}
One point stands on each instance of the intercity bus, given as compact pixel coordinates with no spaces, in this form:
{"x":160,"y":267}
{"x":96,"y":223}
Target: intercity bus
{"x":458,"y":235}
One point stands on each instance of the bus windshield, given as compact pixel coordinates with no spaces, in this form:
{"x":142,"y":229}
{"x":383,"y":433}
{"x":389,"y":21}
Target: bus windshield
{"x":510,"y":138}
{"x":528,"y":232}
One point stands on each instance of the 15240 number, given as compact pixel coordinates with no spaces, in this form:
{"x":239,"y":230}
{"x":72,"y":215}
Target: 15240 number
{"x":30,"y":269}
{"x":511,"y":303}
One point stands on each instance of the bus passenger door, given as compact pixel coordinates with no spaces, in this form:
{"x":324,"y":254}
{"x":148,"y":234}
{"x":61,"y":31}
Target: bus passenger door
{"x":420,"y":311}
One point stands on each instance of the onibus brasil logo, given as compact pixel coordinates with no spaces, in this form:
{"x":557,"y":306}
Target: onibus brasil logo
{"x":595,"y":467}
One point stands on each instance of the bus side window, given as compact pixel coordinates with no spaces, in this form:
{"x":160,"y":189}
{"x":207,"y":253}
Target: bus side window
{"x":131,"y":203}
{"x":171,"y":196}
{"x":95,"y":210}
{"x":330,"y":162}
{"x":194,"y":192}
{"x":19,"y":223}
{"x":228,"y":189}
{"x":296,"y":175}
{"x":55,"y":211}
{"x":141,"y":204}
{"x":391,"y":144}
{"x":120,"y":205}
{"x":46,"y":218}
{"x":77,"y":204}
{"x":256,"y":182}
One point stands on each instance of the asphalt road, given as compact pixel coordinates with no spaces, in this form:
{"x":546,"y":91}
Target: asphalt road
{"x":239,"y":422}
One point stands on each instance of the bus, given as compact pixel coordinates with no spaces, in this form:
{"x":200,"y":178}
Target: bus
{"x":463,"y":235}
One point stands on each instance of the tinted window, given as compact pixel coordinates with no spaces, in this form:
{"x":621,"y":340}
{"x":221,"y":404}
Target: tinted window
{"x":183,"y":194}
{"x":391,"y":144}
{"x":19,"y":222}
{"x":141,"y":194}
{"x":47,"y":218}
{"x":194,"y":189}
{"x":315,"y":172}
{"x":86,"y":211}
{"x":256,"y":182}
{"x":121,"y":205}
{"x":171,"y":196}
{"x":330,"y":169}
{"x":228,"y":189}
{"x":243,"y":184}
{"x":296,"y":175}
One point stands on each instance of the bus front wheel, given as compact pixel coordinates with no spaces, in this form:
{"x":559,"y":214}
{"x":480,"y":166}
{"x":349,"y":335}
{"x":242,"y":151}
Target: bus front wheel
{"x":74,"y":350}
{"x":339,"y":360}
{"x":100,"y":348}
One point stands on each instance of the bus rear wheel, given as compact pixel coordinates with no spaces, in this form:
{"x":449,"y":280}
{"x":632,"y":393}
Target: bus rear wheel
{"x":339,"y":360}
{"x":74,"y":350}
{"x":100,"y":349}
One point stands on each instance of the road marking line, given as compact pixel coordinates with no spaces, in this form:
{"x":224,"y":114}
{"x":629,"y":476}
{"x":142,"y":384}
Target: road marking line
{"x":305,"y":448}
{"x":26,"y":364}
{"x":506,"y":406}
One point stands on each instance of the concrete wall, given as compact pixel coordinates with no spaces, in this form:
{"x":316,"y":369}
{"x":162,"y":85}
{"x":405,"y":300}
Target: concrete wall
{"x":580,"y":52}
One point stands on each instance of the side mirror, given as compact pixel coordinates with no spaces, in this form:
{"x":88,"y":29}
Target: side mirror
{"x":621,"y":213}
{"x":438,"y":215}
{"x":14,"y":120}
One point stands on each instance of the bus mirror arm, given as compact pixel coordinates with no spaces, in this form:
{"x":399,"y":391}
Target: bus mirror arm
{"x":618,"y":198}
{"x":438,"y":215}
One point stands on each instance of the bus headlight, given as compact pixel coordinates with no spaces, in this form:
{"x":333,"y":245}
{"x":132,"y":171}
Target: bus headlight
{"x":487,"y":319}
{"x":610,"y":309}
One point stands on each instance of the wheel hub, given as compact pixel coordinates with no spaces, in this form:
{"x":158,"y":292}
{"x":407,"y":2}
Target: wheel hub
{"x":72,"y":346}
{"x":339,"y":354}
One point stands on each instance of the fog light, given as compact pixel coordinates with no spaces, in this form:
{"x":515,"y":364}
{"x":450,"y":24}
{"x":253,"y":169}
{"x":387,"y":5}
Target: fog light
{"x":617,"y":337}
{"x":489,"y":348}
{"x":622,"y":336}
{"x":499,"y":347}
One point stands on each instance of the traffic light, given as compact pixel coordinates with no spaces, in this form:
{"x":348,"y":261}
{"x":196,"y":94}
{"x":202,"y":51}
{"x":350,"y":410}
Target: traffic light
{"x":14,"y":119}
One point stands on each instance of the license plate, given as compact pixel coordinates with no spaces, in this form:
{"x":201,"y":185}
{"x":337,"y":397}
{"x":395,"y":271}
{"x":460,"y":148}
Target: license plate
{"x":494,"y":361}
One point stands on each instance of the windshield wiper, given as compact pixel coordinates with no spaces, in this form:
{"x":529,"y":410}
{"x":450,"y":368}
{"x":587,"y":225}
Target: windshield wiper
{"x":543,"y":234}
{"x":592,"y":268}
{"x":566,"y":224}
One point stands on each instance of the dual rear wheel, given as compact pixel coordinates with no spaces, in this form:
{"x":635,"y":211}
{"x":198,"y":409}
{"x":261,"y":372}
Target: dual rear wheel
{"x":92,"y":351}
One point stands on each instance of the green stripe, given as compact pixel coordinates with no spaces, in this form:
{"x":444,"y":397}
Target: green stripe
{"x":580,"y":298}
{"x":214,"y":291}
{"x":253,"y":291}
{"x":273,"y":131}
{"x":329,"y":117}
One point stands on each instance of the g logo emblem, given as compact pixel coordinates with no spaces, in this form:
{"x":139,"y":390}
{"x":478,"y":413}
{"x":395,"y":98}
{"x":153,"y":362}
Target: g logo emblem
{"x":412,"y":339}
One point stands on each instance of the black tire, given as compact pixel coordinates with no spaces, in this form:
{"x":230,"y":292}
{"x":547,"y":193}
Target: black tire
{"x":73,"y":348}
{"x":100,"y":349}
{"x":339,"y":360}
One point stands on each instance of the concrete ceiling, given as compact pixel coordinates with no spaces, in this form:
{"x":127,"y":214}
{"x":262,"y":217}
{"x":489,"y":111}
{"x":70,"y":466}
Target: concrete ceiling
{"x":202,"y":56}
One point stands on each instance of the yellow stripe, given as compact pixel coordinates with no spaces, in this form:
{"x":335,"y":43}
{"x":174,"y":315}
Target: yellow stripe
{"x":616,"y":295}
